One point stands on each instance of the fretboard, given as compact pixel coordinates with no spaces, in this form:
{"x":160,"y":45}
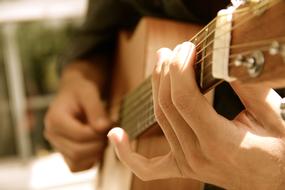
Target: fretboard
{"x":137,"y":113}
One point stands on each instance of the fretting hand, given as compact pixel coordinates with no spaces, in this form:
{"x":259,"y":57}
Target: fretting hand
{"x":247,"y":152}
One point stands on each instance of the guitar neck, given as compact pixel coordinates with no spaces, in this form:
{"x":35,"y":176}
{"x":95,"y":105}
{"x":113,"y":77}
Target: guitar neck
{"x":136,"y":111}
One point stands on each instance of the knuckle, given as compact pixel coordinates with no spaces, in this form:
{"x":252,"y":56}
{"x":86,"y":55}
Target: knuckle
{"x":51,"y":118}
{"x":175,"y":64}
{"x":144,"y":175}
{"x":75,"y":156}
{"x":180,"y":100}
{"x":159,"y":115}
{"x":78,"y":136}
{"x":165,"y":103}
{"x":197,"y":163}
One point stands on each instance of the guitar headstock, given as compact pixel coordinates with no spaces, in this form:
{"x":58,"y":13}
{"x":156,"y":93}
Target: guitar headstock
{"x":257,"y":52}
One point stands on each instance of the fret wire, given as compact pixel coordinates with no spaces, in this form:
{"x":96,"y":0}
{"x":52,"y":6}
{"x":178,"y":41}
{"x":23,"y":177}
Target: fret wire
{"x":265,"y":48}
{"x":129,"y":118}
{"x":243,"y":45}
{"x":138,"y":94}
{"x":147,"y":108}
{"x":209,"y":25}
{"x":232,"y":28}
{"x":207,"y":45}
{"x":206,"y":76}
{"x":252,"y":16}
{"x":209,"y":74}
{"x":235,"y":55}
{"x":139,"y":118}
{"x":126,"y":110}
{"x":129,"y":110}
{"x":238,"y":11}
{"x":132,"y":96}
{"x":256,"y":43}
{"x":139,"y":126}
{"x":136,"y":109}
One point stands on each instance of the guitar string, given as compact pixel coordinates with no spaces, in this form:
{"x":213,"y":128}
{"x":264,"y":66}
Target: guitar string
{"x":232,"y":56}
{"x":207,"y":26}
{"x":243,"y":45}
{"x":149,"y":108}
{"x":211,"y":41}
{"x":147,"y":85}
{"x":205,"y":38}
{"x":139,"y":95}
{"x":131,"y":112}
{"x":248,"y":18}
{"x":149,"y":118}
{"x":240,"y":10}
{"x":240,"y":46}
{"x":146,"y":112}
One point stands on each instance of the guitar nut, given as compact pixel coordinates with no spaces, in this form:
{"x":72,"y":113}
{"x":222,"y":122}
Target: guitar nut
{"x":282,"y":108}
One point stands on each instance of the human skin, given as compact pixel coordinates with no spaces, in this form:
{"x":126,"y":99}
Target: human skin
{"x":76,"y":122}
{"x":245,"y":153}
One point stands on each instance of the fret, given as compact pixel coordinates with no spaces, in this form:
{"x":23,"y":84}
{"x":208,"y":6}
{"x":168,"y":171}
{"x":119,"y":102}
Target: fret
{"x":137,"y":113}
{"x":135,"y":98}
{"x":208,"y":80}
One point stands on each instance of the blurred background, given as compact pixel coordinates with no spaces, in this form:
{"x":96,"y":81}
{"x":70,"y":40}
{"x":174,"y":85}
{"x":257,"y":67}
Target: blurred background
{"x":32,"y":35}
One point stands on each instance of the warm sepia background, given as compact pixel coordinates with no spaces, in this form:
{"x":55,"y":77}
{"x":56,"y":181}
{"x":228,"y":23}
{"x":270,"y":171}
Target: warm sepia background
{"x":32,"y":35}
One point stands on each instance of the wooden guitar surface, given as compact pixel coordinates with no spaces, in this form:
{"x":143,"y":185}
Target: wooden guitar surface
{"x":136,"y":57}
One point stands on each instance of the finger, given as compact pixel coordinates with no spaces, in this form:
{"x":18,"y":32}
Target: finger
{"x":164,"y":56}
{"x":67,"y":126}
{"x":94,"y":109}
{"x":147,"y":169}
{"x":175,"y":146}
{"x":190,"y":103}
{"x":262,"y":103}
{"x":185,"y":135}
{"x":78,"y":152}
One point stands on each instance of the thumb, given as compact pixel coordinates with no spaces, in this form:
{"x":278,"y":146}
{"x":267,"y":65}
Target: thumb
{"x":159,"y":167}
{"x":262,"y":103}
{"x":120,"y":142}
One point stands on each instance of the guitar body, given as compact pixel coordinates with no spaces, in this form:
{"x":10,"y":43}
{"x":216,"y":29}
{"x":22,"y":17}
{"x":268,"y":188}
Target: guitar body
{"x":136,"y":57}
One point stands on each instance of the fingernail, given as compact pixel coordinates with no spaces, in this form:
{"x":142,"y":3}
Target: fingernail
{"x":188,"y":46}
{"x":111,"y":137}
{"x":162,"y":54}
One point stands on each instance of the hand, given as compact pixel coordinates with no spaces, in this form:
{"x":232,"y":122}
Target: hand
{"x":245,"y":153}
{"x":76,"y":122}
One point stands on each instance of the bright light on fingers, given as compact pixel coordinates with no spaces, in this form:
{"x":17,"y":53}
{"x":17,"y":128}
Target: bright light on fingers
{"x":274,"y":100}
{"x":116,"y":134}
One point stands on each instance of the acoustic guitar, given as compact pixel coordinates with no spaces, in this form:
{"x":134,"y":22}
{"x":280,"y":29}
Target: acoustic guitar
{"x":257,"y":37}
